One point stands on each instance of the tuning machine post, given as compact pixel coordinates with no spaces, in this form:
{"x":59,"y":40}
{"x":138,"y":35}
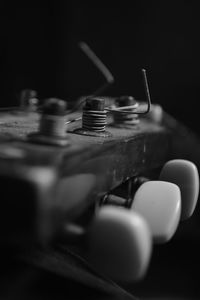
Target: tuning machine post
{"x":28,"y":100}
{"x":94,"y":118}
{"x":52,"y":125}
{"x":125,"y":119}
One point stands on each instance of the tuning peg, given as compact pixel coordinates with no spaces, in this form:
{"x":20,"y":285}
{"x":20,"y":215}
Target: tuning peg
{"x":185,"y":174}
{"x":159,"y":203}
{"x":119,"y":243}
{"x":28,"y":100}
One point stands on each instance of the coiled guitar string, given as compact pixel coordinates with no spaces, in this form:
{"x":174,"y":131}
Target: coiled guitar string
{"x":96,"y":120}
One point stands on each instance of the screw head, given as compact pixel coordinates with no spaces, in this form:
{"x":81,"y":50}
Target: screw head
{"x":54,"y":106}
{"x":125,"y":101}
{"x":96,"y":104}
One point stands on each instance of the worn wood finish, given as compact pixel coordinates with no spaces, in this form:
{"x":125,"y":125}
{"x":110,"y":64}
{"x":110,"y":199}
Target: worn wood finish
{"x":112,"y":160}
{"x":126,"y":153}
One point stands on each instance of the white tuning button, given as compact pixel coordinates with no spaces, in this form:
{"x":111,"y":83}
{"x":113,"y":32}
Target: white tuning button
{"x":159,"y":203}
{"x":120,"y":244}
{"x":185,"y":174}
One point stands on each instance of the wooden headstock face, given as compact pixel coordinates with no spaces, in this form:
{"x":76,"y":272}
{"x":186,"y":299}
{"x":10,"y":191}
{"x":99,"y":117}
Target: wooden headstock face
{"x":97,"y":163}
{"x":52,"y":180}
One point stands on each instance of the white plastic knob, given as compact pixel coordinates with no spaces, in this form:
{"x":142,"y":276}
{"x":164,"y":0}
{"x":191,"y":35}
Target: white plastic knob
{"x":185,"y":174}
{"x":159,"y":203}
{"x":120,"y":244}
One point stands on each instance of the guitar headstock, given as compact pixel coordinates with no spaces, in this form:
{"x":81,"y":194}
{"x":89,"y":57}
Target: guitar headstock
{"x":57,"y":172}
{"x":96,"y":177}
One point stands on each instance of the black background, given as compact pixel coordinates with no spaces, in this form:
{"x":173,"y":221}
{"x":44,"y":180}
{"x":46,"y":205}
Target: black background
{"x":39,"y":50}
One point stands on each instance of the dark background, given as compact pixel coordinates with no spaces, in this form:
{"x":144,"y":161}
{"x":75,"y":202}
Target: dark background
{"x":39,"y":50}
